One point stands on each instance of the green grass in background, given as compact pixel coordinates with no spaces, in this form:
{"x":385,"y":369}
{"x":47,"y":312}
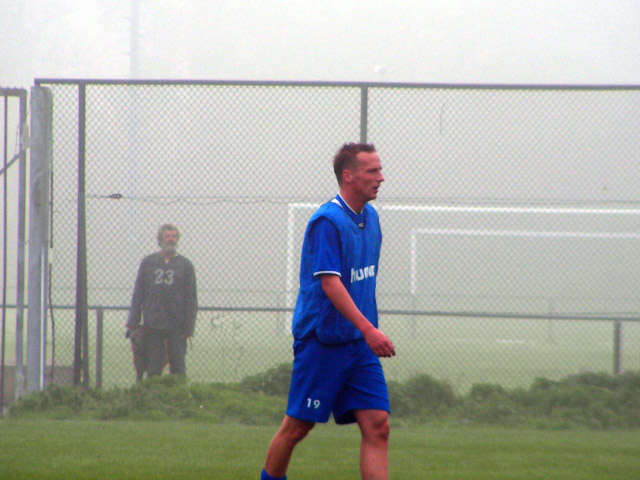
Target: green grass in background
{"x":227,"y":347}
{"x":231,"y":345}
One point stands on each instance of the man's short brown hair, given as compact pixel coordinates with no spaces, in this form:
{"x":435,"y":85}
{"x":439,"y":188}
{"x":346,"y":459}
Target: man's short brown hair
{"x":346,"y":159}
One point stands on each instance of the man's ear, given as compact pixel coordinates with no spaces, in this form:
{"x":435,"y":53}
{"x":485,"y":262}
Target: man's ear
{"x":347,"y":175}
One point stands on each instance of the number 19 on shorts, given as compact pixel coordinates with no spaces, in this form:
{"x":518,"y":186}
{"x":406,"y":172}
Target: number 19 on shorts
{"x":315,"y":404}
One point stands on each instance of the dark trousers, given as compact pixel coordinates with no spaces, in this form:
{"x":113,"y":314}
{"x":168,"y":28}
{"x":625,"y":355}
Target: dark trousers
{"x":163,"y":343}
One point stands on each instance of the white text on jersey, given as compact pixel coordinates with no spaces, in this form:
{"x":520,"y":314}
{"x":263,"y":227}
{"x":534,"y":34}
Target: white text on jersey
{"x":362,"y":273}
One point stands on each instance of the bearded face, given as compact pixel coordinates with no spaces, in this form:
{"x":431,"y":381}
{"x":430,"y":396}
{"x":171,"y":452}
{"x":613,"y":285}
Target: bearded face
{"x":169,"y":242}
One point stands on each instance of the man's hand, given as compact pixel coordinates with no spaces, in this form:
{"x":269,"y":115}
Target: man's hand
{"x":337,"y":293}
{"x":381,"y":345}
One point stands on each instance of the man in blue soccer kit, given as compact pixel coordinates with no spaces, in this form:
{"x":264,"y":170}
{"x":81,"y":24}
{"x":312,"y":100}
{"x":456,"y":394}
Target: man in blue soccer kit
{"x":165,"y":298}
{"x":337,"y":343}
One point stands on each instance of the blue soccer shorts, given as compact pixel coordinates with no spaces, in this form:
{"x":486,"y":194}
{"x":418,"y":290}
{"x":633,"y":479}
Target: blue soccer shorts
{"x":335,"y":379}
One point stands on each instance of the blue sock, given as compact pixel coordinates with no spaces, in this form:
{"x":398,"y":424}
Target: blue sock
{"x":266,"y":476}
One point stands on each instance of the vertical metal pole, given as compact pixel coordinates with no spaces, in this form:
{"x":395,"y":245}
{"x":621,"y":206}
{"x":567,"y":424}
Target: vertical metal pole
{"x":81,"y":254}
{"x":617,"y":348}
{"x":364,"y":113}
{"x":45,"y":251}
{"x":85,"y":353}
{"x":22,"y":184}
{"x":99,"y":333}
{"x":4,"y":254}
{"x":41,"y":108}
{"x":134,"y":37}
{"x":44,"y":281}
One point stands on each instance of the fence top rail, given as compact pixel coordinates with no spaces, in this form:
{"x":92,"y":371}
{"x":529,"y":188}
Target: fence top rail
{"x":13,"y":92}
{"x":277,"y":83}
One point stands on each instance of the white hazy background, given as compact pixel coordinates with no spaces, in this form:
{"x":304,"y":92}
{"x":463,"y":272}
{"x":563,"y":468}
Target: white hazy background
{"x":412,"y":41}
{"x":438,"y":41}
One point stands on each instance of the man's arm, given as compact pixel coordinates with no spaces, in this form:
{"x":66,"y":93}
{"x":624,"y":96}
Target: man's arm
{"x":339,"y":296}
{"x":191,"y":302}
{"x":135,"y":311}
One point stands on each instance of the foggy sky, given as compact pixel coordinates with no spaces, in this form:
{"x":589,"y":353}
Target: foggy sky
{"x":440,"y":41}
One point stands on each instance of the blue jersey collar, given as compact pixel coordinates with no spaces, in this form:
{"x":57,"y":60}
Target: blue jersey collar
{"x":358,"y":218}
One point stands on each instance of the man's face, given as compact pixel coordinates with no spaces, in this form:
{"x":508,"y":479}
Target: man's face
{"x":169,"y":241}
{"x":367,"y":177}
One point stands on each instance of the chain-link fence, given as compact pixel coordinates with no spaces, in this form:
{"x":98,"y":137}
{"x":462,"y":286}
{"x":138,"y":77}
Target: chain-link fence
{"x":510,"y":215}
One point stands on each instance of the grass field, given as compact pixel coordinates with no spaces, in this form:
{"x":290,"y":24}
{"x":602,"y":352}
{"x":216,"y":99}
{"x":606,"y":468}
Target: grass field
{"x":47,"y":449}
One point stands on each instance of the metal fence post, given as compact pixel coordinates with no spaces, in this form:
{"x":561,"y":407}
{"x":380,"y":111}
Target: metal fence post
{"x":617,"y":348}
{"x":22,"y":188}
{"x":99,"y":337}
{"x":80,"y":361}
{"x":364,"y":113}
{"x":41,"y":109}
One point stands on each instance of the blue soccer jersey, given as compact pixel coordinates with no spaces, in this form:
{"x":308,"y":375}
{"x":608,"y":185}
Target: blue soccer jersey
{"x":339,"y":242}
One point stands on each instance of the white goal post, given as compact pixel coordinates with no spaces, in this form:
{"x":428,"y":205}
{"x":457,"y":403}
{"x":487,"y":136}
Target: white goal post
{"x":293,"y":210}
{"x":508,"y":233}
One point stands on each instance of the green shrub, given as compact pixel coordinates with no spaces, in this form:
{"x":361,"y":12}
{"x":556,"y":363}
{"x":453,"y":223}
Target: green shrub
{"x":401,"y":405}
{"x":422,"y":397}
{"x":487,"y":403}
{"x":157,"y":398}
{"x":274,"y":381}
{"x":594,"y":400}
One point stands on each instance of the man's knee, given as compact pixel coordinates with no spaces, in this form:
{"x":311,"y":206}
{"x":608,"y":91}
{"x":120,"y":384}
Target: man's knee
{"x":374,"y":425}
{"x":294,"y":430}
